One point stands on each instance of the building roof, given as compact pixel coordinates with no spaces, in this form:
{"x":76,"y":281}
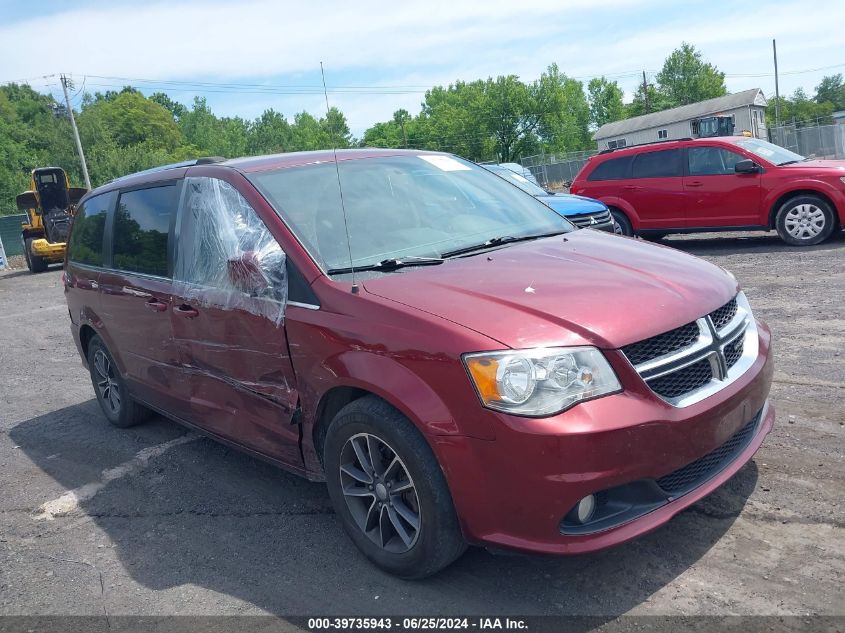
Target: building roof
{"x":753,"y":96}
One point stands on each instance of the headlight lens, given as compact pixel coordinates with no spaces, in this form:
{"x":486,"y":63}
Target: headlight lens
{"x":538,"y":382}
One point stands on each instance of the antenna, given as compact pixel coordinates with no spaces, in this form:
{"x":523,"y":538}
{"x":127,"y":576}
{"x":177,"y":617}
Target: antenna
{"x":339,"y":186}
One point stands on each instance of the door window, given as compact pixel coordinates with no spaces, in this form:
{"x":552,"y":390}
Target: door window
{"x":225,"y":256}
{"x":142,"y":229}
{"x":613,"y":169}
{"x":86,"y":238}
{"x":663,"y":164}
{"x":712,"y":161}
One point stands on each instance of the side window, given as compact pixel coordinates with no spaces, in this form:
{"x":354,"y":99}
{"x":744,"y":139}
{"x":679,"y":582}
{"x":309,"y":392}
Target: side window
{"x":142,"y":228}
{"x":711,"y":161}
{"x":661,"y":134}
{"x":613,"y":169}
{"x":86,"y":236}
{"x":225,"y":256}
{"x":663,"y":164}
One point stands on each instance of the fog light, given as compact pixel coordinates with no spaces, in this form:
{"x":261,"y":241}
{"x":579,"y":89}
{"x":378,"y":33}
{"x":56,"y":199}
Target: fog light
{"x":585,"y":509}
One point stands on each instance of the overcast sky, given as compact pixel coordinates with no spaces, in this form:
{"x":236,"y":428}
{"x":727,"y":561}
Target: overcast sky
{"x":266,"y":50}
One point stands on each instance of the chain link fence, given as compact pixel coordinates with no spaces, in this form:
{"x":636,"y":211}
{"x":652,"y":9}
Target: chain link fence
{"x":556,"y":171}
{"x":816,"y":141}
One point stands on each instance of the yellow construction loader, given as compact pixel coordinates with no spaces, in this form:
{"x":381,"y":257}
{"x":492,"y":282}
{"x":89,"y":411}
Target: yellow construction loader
{"x":49,"y":206}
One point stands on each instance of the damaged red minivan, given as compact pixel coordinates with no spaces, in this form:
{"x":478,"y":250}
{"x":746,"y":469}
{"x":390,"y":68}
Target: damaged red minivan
{"x":457,"y":361}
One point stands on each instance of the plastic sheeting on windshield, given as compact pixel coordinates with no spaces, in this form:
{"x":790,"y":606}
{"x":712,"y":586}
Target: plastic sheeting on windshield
{"x":227,"y":258}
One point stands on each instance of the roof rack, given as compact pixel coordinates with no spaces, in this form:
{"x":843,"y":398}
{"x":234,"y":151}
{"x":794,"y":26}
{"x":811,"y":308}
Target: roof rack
{"x":205,"y":160}
{"x":665,"y":140}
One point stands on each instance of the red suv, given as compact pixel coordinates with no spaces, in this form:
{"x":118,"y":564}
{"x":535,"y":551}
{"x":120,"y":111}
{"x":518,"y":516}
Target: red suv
{"x":728,"y":183}
{"x":452,"y":357}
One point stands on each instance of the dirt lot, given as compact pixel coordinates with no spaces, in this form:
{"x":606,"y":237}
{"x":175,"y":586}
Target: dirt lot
{"x":166,"y":522}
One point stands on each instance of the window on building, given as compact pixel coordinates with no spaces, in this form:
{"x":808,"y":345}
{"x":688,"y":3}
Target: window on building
{"x":86,"y":238}
{"x":617,"y":144}
{"x":693,"y":128}
{"x":141,"y":230}
{"x":662,"y":164}
{"x":661,"y":134}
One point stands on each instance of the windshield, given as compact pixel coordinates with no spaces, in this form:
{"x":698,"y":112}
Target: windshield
{"x":400,"y":206}
{"x":771,"y":152}
{"x":515,"y":179}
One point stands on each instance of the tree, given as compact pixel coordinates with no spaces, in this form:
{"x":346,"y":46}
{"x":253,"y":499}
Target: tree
{"x":686,"y":78}
{"x":799,"y":110}
{"x":605,"y":99}
{"x":831,"y":90}
{"x":563,"y":111}
{"x":269,"y":134}
{"x":132,"y":119}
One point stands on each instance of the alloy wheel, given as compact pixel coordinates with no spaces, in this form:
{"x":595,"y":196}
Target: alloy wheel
{"x":804,"y":221}
{"x":107,"y":385}
{"x":380,"y":493}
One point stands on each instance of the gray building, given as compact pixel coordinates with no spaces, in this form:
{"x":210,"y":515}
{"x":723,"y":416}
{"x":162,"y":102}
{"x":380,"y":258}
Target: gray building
{"x":747,"y":108}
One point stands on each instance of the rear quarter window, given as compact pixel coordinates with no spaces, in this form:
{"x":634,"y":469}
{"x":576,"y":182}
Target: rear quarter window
{"x":86,"y":237}
{"x":611,"y":169}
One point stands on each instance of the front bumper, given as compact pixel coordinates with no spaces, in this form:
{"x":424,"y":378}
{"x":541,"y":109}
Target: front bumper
{"x":515,"y":491}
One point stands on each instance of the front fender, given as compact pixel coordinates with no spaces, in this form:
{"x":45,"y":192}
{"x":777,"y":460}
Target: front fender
{"x":805,"y":185}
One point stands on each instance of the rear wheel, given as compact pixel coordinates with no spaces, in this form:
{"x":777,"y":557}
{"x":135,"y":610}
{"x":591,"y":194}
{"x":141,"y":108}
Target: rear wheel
{"x":653,"y":237}
{"x":35,"y":263}
{"x":389,"y":491}
{"x":623,"y":224}
{"x":117,"y":405}
{"x":804,"y":221}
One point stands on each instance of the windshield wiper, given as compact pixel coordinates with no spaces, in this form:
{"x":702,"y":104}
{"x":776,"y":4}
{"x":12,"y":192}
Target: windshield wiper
{"x":389,"y":264}
{"x":789,"y":162}
{"x":498,"y":241}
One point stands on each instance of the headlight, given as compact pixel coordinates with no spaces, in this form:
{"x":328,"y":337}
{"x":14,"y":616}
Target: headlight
{"x":538,"y":382}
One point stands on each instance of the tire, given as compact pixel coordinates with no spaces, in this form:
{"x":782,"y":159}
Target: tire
{"x":804,"y":221}
{"x":653,"y":237}
{"x":117,"y":405}
{"x":369,"y":426}
{"x":622,"y":222}
{"x":35,"y":263}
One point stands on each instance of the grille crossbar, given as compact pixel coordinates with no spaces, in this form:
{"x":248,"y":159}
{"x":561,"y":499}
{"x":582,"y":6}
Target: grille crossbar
{"x":684,"y":365}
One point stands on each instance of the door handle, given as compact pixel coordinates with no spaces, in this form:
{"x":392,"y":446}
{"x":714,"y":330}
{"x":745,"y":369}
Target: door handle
{"x":186,"y":311}
{"x":631,"y":187}
{"x":155,"y":304}
{"x":695,"y":183}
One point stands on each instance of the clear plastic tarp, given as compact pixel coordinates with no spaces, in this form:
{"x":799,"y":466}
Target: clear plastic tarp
{"x":227,"y":258}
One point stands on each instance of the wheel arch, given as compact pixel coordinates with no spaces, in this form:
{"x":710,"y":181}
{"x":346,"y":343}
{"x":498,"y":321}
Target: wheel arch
{"x":784,"y":197}
{"x":86,"y":333}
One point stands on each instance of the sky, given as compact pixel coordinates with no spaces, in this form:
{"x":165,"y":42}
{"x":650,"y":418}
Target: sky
{"x":381,"y":56}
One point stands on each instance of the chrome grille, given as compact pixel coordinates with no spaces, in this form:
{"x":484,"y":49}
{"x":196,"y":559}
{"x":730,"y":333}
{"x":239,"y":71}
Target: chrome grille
{"x":587,"y":220}
{"x":662,"y":344}
{"x":687,"y":364}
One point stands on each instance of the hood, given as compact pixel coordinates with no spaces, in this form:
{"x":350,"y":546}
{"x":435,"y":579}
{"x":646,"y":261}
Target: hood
{"x":833,"y":165}
{"x":566,"y":204}
{"x":581,"y":288}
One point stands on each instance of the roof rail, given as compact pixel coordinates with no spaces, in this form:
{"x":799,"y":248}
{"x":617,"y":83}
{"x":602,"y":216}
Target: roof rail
{"x":665,"y":140}
{"x":205,"y":160}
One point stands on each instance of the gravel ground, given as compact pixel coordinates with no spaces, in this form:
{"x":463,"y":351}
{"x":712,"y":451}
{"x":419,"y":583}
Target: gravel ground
{"x":164,"y":522}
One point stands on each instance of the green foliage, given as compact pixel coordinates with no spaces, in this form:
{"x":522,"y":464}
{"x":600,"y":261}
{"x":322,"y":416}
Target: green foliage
{"x":605,"y":98}
{"x":799,"y":110}
{"x":686,"y":78}
{"x":831,"y":90}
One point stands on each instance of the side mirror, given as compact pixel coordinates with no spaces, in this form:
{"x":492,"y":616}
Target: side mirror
{"x":26,"y":201}
{"x":75,"y":194}
{"x":746,"y":166}
{"x":246,"y":275}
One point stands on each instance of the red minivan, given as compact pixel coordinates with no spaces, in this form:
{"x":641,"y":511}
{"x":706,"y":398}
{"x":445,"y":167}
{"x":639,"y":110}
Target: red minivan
{"x":716,"y":184}
{"x":456,"y":360}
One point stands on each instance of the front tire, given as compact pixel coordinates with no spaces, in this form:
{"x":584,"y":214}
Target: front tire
{"x":35,"y":263}
{"x":389,"y":492}
{"x":804,"y":221}
{"x":622,"y":222}
{"x":117,"y":405}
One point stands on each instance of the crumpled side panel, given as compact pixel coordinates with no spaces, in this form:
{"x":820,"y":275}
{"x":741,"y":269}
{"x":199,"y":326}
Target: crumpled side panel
{"x":227,"y":257}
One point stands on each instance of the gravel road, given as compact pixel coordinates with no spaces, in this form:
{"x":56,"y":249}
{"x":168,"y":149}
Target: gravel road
{"x":157,"y":521}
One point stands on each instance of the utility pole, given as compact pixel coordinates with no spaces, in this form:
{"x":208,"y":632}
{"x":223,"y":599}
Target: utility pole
{"x":777,"y":89}
{"x":76,"y":134}
{"x":645,"y":94}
